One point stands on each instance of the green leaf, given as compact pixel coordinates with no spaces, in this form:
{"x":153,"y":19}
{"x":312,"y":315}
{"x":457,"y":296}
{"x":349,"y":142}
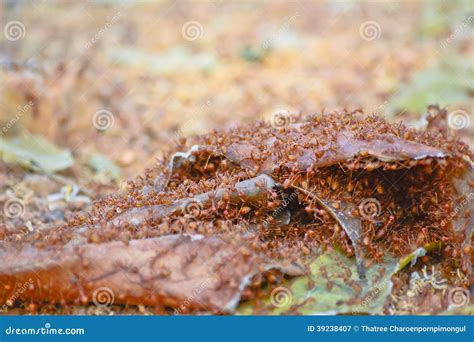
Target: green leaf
{"x":34,"y":152}
{"x":413,"y":256}
{"x":253,"y":54}
{"x":103,"y":166}
{"x":467,"y":310}
{"x":447,"y":83}
{"x":179,"y":59}
{"x":333,"y":287}
{"x":440,"y":17}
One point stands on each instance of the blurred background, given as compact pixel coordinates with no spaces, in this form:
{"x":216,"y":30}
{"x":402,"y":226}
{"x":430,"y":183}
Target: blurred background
{"x":93,"y":92}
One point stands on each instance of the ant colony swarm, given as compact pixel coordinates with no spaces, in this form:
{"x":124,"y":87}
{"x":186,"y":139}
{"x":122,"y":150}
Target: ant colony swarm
{"x":257,"y":202}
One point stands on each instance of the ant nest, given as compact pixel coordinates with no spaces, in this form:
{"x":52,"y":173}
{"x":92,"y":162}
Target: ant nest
{"x":259,"y":199}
